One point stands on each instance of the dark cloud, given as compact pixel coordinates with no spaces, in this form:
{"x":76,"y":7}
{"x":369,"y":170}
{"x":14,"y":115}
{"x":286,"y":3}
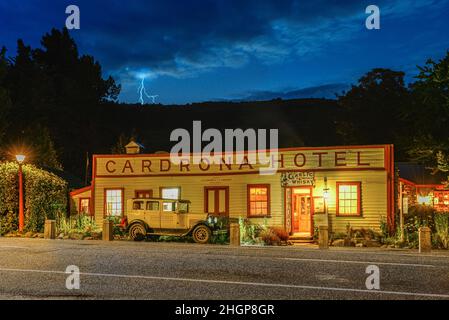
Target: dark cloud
{"x":185,"y":38}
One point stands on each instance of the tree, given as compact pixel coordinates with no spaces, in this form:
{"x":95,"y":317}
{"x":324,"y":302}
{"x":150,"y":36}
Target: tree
{"x":5,"y":101}
{"x":430,"y":113}
{"x":123,"y":140}
{"x":44,"y":152}
{"x":63,"y":91}
{"x":372,"y":111}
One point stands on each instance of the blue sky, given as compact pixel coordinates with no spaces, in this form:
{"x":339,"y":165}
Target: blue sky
{"x":192,"y":51}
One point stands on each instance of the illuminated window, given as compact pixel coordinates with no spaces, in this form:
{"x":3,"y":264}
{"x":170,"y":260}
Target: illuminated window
{"x":425,"y":200}
{"x":169,"y":206}
{"x":258,"y":200}
{"x":348,"y":198}
{"x":114,"y":202}
{"x":138,"y":205}
{"x":171,"y":193}
{"x":144,"y":194}
{"x":85,"y":206}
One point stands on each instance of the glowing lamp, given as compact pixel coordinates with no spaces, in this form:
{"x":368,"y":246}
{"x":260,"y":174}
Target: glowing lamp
{"x":20,"y":158}
{"x":326,"y":194}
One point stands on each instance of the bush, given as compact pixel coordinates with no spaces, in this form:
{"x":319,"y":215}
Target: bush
{"x":418,"y":216}
{"x":269,"y":237}
{"x":249,"y":232}
{"x":82,"y":224}
{"x":45,"y":197}
{"x":441,"y":235}
{"x":281,"y":234}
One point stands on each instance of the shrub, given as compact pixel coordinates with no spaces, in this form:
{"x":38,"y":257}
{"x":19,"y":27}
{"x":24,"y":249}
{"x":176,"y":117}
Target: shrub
{"x":269,"y":237}
{"x":76,"y":224}
{"x":281,"y":233}
{"x":249,"y":232}
{"x":45,"y":197}
{"x":442,"y":230}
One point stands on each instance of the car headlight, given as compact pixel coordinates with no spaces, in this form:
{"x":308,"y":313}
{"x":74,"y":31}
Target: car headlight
{"x":216,"y":220}
{"x":209,"y":220}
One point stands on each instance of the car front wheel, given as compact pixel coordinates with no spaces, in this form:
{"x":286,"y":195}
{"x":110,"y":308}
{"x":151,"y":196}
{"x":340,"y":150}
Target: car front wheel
{"x":201,"y":234}
{"x":137,"y":232}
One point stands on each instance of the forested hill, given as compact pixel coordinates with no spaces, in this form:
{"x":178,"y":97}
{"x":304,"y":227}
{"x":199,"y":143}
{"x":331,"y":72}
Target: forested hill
{"x":308,"y":122}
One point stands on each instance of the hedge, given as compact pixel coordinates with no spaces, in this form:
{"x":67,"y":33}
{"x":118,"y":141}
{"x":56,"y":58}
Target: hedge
{"x":45,"y":196}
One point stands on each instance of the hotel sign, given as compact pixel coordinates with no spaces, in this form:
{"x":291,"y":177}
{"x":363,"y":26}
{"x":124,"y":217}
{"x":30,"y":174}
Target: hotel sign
{"x":300,"y":161}
{"x":298,"y":179}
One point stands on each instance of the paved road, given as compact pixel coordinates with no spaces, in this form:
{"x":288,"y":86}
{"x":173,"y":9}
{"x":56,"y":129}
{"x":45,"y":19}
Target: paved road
{"x":35,"y":269}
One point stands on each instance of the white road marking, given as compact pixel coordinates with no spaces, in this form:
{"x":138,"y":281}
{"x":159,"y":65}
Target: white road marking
{"x":257,"y":284}
{"x":362,"y":262}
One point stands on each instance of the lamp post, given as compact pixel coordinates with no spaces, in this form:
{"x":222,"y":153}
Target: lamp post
{"x":20,"y":159}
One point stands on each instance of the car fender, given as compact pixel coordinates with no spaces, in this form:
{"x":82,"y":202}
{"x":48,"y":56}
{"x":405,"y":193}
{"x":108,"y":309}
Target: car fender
{"x":147,"y":227}
{"x":199,"y":223}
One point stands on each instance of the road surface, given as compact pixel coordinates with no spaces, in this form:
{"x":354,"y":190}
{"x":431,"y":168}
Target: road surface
{"x":35,"y":269}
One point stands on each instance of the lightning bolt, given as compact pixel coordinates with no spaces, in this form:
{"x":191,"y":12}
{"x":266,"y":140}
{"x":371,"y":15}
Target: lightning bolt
{"x":143,"y":93}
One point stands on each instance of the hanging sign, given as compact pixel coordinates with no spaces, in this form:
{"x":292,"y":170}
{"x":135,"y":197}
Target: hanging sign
{"x":290,"y":179}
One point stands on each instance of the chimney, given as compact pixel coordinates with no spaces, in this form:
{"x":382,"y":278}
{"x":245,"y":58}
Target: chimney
{"x":133,"y":148}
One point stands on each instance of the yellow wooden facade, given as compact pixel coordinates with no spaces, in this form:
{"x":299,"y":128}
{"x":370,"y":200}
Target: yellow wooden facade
{"x":318,"y":172}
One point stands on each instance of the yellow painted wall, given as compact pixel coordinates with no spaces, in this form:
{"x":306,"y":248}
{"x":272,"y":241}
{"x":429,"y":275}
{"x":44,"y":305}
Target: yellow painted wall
{"x":373,"y":180}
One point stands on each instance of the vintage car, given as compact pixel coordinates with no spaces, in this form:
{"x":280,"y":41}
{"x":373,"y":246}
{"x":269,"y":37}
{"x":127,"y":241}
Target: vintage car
{"x":163,"y":217}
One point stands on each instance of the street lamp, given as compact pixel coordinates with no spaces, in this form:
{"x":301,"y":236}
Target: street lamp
{"x":20,"y":159}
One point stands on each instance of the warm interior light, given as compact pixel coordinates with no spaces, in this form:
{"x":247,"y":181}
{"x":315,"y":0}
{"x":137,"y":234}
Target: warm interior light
{"x":20,"y":158}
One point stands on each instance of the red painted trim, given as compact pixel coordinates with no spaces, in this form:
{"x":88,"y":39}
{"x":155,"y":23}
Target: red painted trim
{"x":429,"y":185}
{"x":390,"y":190}
{"x":81,"y":190}
{"x":94,"y":170}
{"x":104,"y":200}
{"x":407,"y":182}
{"x":216,"y":196}
{"x":312,"y":208}
{"x":248,"y":201}
{"x":167,"y":155}
{"x":359,"y":199}
{"x":285,"y":211}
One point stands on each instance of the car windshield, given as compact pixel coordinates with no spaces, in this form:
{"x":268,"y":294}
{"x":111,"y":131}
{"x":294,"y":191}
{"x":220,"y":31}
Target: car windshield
{"x":183,"y":207}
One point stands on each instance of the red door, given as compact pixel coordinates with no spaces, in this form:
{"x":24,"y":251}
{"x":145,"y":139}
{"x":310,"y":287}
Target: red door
{"x":302,"y":213}
{"x":216,"y":200}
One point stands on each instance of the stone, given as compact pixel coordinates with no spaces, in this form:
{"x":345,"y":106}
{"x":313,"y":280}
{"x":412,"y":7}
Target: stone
{"x":425,"y":243}
{"x":234,"y":239}
{"x":29,"y":234}
{"x":88,"y":238}
{"x":371,"y":244}
{"x":359,"y":245}
{"x":339,"y":243}
{"x":76,"y":236}
{"x":108,"y":233}
{"x":323,"y":237}
{"x":50,"y":229}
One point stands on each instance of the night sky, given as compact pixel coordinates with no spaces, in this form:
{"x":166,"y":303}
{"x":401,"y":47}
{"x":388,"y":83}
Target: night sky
{"x":191,"y":51}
